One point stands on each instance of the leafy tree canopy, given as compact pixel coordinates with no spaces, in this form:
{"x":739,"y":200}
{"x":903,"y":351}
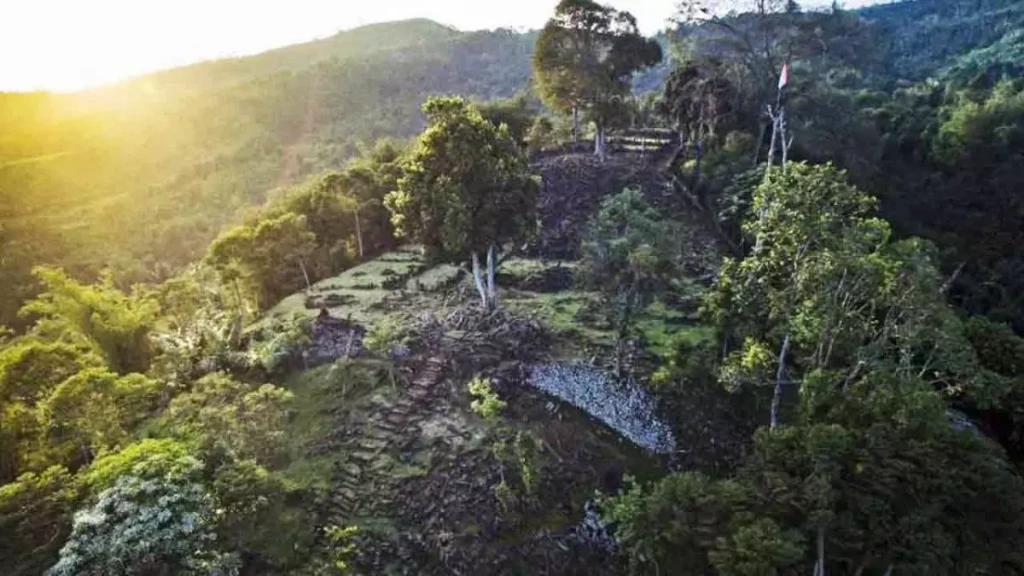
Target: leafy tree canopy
{"x":585,"y":58}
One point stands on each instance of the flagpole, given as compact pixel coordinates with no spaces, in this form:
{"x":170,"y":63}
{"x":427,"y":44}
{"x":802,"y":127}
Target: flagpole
{"x":777,"y":115}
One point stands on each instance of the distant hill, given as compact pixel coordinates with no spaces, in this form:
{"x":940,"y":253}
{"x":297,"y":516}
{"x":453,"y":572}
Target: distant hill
{"x":922,"y":36}
{"x":143,"y":173}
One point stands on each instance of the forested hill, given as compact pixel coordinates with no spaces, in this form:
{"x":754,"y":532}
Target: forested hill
{"x":309,"y":313}
{"x":921,"y":37}
{"x":142,"y":174}
{"x":139,"y":176}
{"x":401,"y":36}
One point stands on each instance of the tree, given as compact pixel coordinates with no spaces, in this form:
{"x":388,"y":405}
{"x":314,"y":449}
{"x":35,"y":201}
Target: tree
{"x":151,"y":457}
{"x":628,"y":255}
{"x":29,"y":371}
{"x":672,"y":523}
{"x":748,"y":45}
{"x":254,"y":513}
{"x":35,"y":518}
{"x":147,"y":524}
{"x":518,"y":113}
{"x":95,"y":410}
{"x":100,"y":316}
{"x":696,"y":99}
{"x":584,"y":60}
{"x":890,"y":487}
{"x":369,"y":178}
{"x":810,"y":230}
{"x":259,"y":254}
{"x":201,"y":330}
{"x":466,"y":189}
{"x":226,"y":416}
{"x":328,"y":210}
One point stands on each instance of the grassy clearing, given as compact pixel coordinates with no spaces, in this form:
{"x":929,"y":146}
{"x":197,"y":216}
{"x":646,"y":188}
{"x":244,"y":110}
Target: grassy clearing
{"x":319,"y":393}
{"x":388,"y":270}
{"x":525,"y":266}
{"x":576,"y":317}
{"x":663,"y":328}
{"x":371,"y":290}
{"x":564,"y":313}
{"x":435,"y":279}
{"x":311,"y":421}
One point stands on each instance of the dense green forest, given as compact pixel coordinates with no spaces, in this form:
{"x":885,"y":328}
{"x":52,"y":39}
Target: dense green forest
{"x":746,"y":298}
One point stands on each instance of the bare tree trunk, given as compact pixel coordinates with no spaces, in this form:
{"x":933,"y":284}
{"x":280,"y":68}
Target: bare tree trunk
{"x":820,"y":567}
{"x":696,"y":164}
{"x":782,"y":137}
{"x":760,"y":144}
{"x":238,"y":295}
{"x":575,"y":126}
{"x":780,"y":373}
{"x":599,"y":142}
{"x":305,"y":275}
{"x":478,"y":280}
{"x":775,"y":138}
{"x":623,"y":334}
{"x":773,"y":113}
{"x":492,"y":293}
{"x":359,"y":235}
{"x":952,"y":279}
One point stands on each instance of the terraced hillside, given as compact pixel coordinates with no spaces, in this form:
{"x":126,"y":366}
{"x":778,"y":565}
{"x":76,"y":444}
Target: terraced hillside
{"x":391,"y":437}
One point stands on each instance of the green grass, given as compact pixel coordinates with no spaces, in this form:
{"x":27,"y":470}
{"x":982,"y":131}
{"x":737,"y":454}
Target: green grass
{"x":662,"y":328}
{"x":359,"y":292}
{"x":562,"y":312}
{"x":318,"y":393}
{"x":437,"y":278}
{"x":375,"y":273}
{"x":525,"y":266}
{"x":311,"y":420}
{"x":576,"y":319}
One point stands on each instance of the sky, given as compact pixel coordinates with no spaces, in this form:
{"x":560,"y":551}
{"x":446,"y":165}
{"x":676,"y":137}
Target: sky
{"x":70,"y":45}
{"x":75,"y":44}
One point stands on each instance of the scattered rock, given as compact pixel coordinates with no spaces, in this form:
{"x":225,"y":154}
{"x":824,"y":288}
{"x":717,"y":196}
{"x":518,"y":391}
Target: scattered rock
{"x":332,"y":338}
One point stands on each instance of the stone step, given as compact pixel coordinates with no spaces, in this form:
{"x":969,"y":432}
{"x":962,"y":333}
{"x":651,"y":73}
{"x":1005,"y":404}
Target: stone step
{"x":372,"y":444}
{"x":417,"y":392}
{"x":343,"y":495}
{"x":380,"y":464}
{"x":350,"y":482}
{"x":363,"y":457}
{"x":404,"y":404}
{"x":397,"y":420}
{"x":378,"y":433}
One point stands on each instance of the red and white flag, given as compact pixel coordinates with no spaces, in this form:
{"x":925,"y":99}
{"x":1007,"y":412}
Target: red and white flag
{"x":784,"y":77}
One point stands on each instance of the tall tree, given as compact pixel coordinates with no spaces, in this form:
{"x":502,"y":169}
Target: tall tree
{"x":628,"y":254}
{"x":826,"y":295}
{"x":99,"y":316}
{"x":153,"y":521}
{"x":466,"y":190}
{"x":266,"y":256}
{"x":584,"y":60}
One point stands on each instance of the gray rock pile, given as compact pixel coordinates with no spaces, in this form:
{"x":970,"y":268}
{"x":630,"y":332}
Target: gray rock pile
{"x":332,"y":338}
{"x":625,"y":407}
